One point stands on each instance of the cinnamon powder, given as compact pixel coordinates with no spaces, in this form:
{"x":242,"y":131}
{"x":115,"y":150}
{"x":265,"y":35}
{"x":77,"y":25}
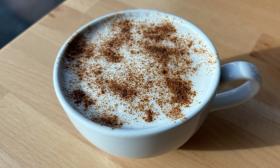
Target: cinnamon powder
{"x":149,"y":116}
{"x":181,"y":89}
{"x":78,"y":47}
{"x":152,"y":45}
{"x":123,"y":90}
{"x":112,"y":121}
{"x":110,"y":49}
{"x":162,"y":53}
{"x":80,"y":97}
{"x":75,"y":47}
{"x":159,"y":32}
{"x":175,"y":113}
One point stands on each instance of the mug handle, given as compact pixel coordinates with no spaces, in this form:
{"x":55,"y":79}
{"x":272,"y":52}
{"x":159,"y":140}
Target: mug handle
{"x":237,"y":70}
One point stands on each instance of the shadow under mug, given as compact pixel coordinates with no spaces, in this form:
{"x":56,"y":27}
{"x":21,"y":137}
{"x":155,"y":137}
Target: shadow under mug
{"x":148,"y":142}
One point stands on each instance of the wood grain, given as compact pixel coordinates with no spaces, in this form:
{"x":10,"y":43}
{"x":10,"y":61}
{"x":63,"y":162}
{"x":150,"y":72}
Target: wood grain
{"x":35,"y":132}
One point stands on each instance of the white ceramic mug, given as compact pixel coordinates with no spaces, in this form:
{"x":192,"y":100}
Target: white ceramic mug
{"x":158,"y":140}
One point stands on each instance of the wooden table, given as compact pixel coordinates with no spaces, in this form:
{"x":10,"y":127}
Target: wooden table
{"x":35,"y":132}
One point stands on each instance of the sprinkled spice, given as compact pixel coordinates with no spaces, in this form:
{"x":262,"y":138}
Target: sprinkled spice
{"x":75,"y":47}
{"x":112,"y":121}
{"x":175,"y":113}
{"x":136,"y":84}
{"x":78,"y":47}
{"x":79,"y":97}
{"x":122,"y":89}
{"x":149,"y":116}
{"x":159,"y":32}
{"x":182,"y":90}
{"x":110,"y":49}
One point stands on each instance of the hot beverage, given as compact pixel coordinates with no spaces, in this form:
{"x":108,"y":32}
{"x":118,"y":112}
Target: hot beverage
{"x":134,"y":71}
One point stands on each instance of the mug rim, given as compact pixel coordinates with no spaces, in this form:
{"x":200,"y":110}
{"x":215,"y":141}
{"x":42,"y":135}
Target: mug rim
{"x":71,"y":111}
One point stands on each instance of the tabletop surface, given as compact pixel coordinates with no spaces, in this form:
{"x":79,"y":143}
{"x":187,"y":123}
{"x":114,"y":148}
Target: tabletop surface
{"x":35,"y":132}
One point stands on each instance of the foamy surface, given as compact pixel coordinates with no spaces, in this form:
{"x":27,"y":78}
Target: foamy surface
{"x":134,"y":88}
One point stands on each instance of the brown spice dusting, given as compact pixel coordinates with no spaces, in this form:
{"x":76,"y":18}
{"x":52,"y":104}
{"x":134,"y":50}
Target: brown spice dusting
{"x":124,"y":25}
{"x":182,"y":90}
{"x":97,"y":71}
{"x":160,"y":103}
{"x":88,"y":102}
{"x":149,"y":83}
{"x":190,"y":43}
{"x":169,"y":55}
{"x":77,"y":96}
{"x":135,"y":79}
{"x":174,"y":39}
{"x":99,"y":81}
{"x":141,"y":106}
{"x":123,"y":90}
{"x":102,"y":91}
{"x":101,"y":84}
{"x":110,"y":49}
{"x":164,"y":71}
{"x":112,"y":121}
{"x":78,"y":47}
{"x":163,"y":53}
{"x":159,"y":32}
{"x":160,"y":52}
{"x":199,"y":51}
{"x":153,"y":46}
{"x":149,"y":116}
{"x":75,"y":47}
{"x":175,"y":113}
{"x":80,"y":97}
{"x":89,"y":51}
{"x":133,"y":52}
{"x":80,"y":71}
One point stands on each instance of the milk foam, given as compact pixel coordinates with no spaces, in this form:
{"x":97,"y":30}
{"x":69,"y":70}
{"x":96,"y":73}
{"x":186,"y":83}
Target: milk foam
{"x":204,"y":63}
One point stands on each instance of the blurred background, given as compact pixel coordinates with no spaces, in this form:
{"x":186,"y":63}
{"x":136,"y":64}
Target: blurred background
{"x":18,"y":15}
